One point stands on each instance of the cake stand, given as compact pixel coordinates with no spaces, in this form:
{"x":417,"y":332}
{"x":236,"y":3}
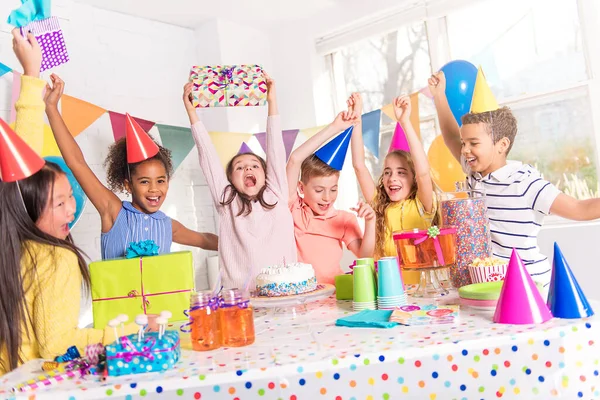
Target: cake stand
{"x":323,"y":291}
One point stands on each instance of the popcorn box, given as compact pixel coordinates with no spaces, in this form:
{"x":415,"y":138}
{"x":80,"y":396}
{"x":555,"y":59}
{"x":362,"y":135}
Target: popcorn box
{"x":490,"y":273}
{"x":130,"y":356}
{"x":228,"y":86}
{"x":146,"y":285}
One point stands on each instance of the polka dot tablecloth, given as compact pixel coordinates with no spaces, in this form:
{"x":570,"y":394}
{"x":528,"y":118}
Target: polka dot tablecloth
{"x":303,"y":355}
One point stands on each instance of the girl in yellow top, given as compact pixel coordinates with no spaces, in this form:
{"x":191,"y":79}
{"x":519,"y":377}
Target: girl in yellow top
{"x":403,"y":197}
{"x":42,"y":271}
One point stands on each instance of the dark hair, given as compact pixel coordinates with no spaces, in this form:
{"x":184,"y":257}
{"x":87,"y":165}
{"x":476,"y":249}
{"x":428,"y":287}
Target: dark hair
{"x":20,"y":207}
{"x":312,"y":166}
{"x":500,"y":123}
{"x":233,"y":192}
{"x":118,"y":170}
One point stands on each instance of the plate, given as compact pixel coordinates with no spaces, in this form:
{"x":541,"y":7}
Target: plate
{"x":323,"y":291}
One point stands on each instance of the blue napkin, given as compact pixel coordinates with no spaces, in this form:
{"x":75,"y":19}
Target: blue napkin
{"x":368,"y":319}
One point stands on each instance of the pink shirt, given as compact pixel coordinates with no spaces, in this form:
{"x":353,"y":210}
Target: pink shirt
{"x":319,"y":238}
{"x":263,"y":237}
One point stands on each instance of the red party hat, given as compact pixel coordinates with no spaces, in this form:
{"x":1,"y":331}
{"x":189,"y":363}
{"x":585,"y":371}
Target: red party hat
{"x":140,"y":146}
{"x":17,"y":160}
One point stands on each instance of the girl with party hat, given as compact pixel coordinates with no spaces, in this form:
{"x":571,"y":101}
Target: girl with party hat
{"x":136,"y":165}
{"x":403,"y":197}
{"x":42,"y":270}
{"x":251,"y":198}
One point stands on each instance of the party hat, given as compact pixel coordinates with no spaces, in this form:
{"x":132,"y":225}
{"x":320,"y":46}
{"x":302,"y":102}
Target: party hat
{"x":565,"y":297}
{"x":334,"y":152}
{"x":140,"y":146}
{"x":399,"y":141}
{"x":520,"y":301}
{"x":17,"y":160}
{"x":244,"y":148}
{"x":483,"y":98}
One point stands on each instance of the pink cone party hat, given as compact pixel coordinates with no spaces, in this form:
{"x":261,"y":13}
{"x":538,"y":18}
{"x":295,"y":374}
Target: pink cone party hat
{"x":399,"y":141}
{"x":520,"y":301}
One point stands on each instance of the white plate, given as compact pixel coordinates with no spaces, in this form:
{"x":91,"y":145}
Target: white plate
{"x":323,"y":291}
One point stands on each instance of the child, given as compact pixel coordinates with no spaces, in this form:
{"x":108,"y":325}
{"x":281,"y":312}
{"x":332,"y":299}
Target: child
{"x":255,"y":225}
{"x":403,"y":197}
{"x":147,"y":181}
{"x":517,"y":198}
{"x":42,"y":270}
{"x":319,"y":228}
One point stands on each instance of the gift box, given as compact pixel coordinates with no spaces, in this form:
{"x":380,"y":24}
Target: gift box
{"x":433,"y":247}
{"x":228,"y":86}
{"x":344,"y":287}
{"x":139,"y":285}
{"x":129,"y":355}
{"x":50,"y":38}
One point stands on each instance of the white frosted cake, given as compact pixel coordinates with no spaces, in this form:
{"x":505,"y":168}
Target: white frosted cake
{"x":286,"y":280}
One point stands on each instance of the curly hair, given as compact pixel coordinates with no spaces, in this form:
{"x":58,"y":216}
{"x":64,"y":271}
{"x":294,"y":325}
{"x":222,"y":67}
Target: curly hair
{"x":382,"y":202}
{"x":118,"y":170}
{"x":500,"y":123}
{"x":246,"y":200}
{"x":312,"y":166}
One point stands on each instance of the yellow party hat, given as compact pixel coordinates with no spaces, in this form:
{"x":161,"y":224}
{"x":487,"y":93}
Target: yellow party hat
{"x":483,"y":98}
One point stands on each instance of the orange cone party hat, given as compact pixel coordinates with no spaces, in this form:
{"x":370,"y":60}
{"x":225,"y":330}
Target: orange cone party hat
{"x":17,"y":160}
{"x":140,"y":146}
{"x":483,"y":98}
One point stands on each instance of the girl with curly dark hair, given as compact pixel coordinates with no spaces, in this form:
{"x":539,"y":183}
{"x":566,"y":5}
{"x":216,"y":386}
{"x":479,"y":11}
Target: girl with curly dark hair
{"x":147,"y":181}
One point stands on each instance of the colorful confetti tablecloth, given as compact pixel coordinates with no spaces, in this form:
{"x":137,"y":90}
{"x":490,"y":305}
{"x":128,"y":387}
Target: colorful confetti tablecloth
{"x":301,"y":354}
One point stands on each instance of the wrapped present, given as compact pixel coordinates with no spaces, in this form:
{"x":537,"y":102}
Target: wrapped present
{"x":344,"y":287}
{"x":433,"y":247}
{"x":228,"y":86}
{"x":129,"y":355}
{"x":50,"y":38}
{"x":146,"y":285}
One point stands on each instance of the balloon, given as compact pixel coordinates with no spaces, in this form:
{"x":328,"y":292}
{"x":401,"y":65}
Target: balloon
{"x":445,"y":170}
{"x":460,"y":83}
{"x":78,"y":193}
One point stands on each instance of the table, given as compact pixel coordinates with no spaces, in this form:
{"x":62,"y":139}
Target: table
{"x":302,"y":355}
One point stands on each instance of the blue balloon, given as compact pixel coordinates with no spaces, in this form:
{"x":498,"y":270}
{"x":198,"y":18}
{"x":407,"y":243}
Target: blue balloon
{"x":460,"y":83}
{"x":78,"y":193}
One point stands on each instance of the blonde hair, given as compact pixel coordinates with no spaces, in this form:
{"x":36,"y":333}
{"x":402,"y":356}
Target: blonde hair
{"x":313,"y":167}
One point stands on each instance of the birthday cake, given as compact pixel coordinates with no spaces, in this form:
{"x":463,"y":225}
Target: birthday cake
{"x":286,"y":280}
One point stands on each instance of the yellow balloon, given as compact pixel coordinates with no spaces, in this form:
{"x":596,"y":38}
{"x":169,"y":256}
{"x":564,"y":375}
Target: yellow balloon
{"x":445,"y":170}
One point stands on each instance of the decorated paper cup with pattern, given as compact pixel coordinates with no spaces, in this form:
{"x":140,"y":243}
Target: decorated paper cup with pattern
{"x":487,"y":270}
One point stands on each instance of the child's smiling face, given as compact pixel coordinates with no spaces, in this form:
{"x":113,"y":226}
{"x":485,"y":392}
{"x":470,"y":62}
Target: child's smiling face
{"x":247,"y":175}
{"x":148,"y":186}
{"x":478,"y":148}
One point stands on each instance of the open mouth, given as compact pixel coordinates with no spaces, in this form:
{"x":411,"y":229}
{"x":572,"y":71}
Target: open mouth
{"x":153,"y":201}
{"x":471,"y":161}
{"x":250,"y":180}
{"x":323,"y":207}
{"x":394,"y":189}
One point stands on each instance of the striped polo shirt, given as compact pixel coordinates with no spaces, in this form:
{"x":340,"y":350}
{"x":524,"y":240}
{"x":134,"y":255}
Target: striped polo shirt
{"x":132,"y":225}
{"x":517,"y":200}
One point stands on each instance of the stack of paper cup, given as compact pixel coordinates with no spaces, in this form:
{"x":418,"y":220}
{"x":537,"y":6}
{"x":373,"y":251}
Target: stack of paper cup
{"x":364,"y":288}
{"x":390,"y":289}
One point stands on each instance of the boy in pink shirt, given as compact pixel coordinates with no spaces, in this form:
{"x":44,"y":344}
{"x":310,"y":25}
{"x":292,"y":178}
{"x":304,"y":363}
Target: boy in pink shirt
{"x":319,"y":228}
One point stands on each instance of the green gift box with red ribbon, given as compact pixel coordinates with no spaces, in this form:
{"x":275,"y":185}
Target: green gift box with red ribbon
{"x":142,"y":285}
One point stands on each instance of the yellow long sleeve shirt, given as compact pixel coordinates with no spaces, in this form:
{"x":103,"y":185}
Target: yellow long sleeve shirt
{"x":30,"y":112}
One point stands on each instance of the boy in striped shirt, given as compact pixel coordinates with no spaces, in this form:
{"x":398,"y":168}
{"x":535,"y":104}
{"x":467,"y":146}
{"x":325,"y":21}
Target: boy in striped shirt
{"x":517,"y":197}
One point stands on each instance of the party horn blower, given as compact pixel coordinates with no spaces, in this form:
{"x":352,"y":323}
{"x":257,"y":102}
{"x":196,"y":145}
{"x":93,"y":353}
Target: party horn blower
{"x":520,"y":301}
{"x":48,"y":379}
{"x":565,"y":297}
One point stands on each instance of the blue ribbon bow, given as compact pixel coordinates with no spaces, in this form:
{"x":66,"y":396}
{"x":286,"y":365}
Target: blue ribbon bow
{"x":143,"y":248}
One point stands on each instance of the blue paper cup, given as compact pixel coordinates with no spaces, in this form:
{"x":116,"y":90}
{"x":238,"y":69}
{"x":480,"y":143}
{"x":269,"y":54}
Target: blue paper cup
{"x":389,"y":280}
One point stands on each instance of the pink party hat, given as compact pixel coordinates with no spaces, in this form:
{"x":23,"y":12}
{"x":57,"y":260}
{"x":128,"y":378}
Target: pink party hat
{"x":520,"y":301}
{"x":399,"y":141}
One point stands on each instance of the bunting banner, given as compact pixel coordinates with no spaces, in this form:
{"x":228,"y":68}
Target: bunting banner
{"x":414,"y":113}
{"x":370,"y":128}
{"x":310,"y":132}
{"x":117,"y":121}
{"x":79,"y":114}
{"x":289,"y":138}
{"x":228,"y":144}
{"x":4,"y":69}
{"x":49,"y":147}
{"x":177,"y":139}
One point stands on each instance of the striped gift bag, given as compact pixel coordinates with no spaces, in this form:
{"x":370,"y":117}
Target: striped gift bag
{"x":50,"y":38}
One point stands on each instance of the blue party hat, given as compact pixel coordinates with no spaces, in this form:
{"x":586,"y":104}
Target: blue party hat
{"x":244,"y":148}
{"x":565,"y":297}
{"x":334,"y":152}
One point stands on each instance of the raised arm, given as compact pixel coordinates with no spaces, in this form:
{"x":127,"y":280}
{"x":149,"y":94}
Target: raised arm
{"x":578,"y":210}
{"x":208,"y":157}
{"x":402,"y":109}
{"x":106,"y":202}
{"x":341,"y":122}
{"x":188,"y":237}
{"x":448,"y":125}
{"x":365,"y":180}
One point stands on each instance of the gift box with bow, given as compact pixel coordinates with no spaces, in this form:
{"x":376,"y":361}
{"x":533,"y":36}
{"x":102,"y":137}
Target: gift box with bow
{"x":143,"y":284}
{"x":129,"y":355}
{"x":433,"y":247}
{"x":228,"y":86}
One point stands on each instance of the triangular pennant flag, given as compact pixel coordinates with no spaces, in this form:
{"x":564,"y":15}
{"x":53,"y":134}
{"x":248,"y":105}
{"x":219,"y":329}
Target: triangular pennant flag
{"x":333,"y":153}
{"x":227,"y":144}
{"x":49,"y":145}
{"x":483,"y":98}
{"x":310,"y":132}
{"x":16,"y":91}
{"x":244,"y":149}
{"x":177,"y":139}
{"x":289,"y":138}
{"x":370,"y":127}
{"x":140,"y":146}
{"x":388,"y":110}
{"x":399,"y":141}
{"x":414,"y":113}
{"x":17,"y":160}
{"x":4,"y":69}
{"x":79,"y":114}
{"x":565,"y":297}
{"x":426,"y":92}
{"x":117,"y":121}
